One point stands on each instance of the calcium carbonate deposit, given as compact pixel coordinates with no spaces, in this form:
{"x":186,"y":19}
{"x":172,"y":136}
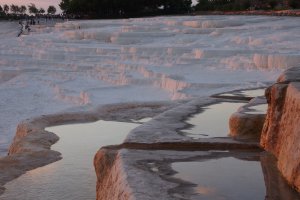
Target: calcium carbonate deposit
{"x":83,"y":64}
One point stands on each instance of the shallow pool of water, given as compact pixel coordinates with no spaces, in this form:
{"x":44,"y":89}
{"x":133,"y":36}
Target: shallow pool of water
{"x":224,"y":178}
{"x":213,"y":122}
{"x":259,"y":109}
{"x":73,"y":177}
{"x":232,"y":177}
{"x":246,"y":93}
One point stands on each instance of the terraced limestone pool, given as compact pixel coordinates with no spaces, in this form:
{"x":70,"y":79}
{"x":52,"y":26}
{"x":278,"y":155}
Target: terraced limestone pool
{"x":224,"y":178}
{"x":233,"y":178}
{"x":73,"y":177}
{"x":245,"y":93}
{"x":212,"y":122}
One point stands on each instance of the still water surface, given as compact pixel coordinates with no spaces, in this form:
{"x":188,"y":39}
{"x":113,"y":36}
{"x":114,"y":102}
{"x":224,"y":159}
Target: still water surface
{"x":225,"y":178}
{"x":258,"y":109}
{"x":246,"y":93}
{"x":213,"y":122}
{"x":73,"y":177}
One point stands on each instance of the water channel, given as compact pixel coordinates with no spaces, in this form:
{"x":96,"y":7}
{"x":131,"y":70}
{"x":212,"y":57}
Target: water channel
{"x":73,"y":177}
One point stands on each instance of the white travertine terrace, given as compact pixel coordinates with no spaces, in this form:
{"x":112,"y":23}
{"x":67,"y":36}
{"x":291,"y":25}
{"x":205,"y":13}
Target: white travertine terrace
{"x":78,"y":65}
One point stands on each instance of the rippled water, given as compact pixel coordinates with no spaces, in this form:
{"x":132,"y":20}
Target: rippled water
{"x":73,"y":177}
{"x":213,"y":121}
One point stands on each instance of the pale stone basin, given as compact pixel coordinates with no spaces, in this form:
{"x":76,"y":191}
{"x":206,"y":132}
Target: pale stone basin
{"x":73,"y":177}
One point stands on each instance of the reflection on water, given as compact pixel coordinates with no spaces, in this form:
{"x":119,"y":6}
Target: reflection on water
{"x":259,"y":109}
{"x":253,"y":93}
{"x":246,"y":93}
{"x":213,"y":122}
{"x":225,"y":178}
{"x":73,"y":177}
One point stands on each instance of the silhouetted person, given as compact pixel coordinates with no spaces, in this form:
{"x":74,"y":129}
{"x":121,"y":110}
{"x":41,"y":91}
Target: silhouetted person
{"x":21,"y":28}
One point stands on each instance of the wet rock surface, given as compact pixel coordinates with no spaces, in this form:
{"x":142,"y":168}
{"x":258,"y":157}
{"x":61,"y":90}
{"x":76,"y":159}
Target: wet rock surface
{"x":149,"y":150}
{"x":142,"y":167}
{"x":150,"y":59}
{"x":281,"y":132}
{"x":247,"y":123}
{"x":31,"y":146}
{"x":148,"y":174}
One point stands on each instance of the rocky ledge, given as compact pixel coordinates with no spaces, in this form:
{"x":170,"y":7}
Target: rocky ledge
{"x":247,"y":122}
{"x":140,"y":168}
{"x":31,"y":145}
{"x":281,"y":131}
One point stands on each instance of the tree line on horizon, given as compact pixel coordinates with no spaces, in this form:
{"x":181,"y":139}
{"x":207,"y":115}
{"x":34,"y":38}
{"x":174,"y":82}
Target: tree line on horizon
{"x":131,"y":8}
{"x":241,"y":5}
{"x":15,"y":12}
{"x":137,"y":8}
{"x":124,"y":8}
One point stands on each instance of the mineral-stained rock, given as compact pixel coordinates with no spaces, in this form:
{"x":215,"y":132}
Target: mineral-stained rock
{"x":281,"y":132}
{"x":290,"y":75}
{"x":244,"y":125}
{"x":112,"y":183}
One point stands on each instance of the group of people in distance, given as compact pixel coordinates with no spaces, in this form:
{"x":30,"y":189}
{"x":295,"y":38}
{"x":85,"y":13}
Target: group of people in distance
{"x":25,"y":26}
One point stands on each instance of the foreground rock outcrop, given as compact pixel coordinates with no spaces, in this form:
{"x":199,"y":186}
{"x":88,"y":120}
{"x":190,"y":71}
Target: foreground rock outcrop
{"x":247,"y":123}
{"x":140,"y":168}
{"x":281,"y":131}
{"x":122,"y":171}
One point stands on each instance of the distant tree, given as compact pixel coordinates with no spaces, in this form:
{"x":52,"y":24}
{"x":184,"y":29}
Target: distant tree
{"x":273,"y":3}
{"x":32,"y":9}
{"x":122,"y":8}
{"x":2,"y":14}
{"x":42,"y":11}
{"x":22,"y":9}
{"x":245,"y":4}
{"x":204,"y":5}
{"x":294,"y":3}
{"x":14,"y":9}
{"x":6,"y":8}
{"x":51,"y":10}
{"x":64,"y":6}
{"x":224,"y":5}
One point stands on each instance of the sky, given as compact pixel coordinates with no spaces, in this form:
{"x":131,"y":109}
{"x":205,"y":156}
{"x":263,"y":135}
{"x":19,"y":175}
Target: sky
{"x":39,"y":3}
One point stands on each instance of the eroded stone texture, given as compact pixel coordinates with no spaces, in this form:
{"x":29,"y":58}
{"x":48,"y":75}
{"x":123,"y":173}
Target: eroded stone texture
{"x":244,"y":125}
{"x":120,"y":176}
{"x":281,"y":132}
{"x":111,"y":180}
